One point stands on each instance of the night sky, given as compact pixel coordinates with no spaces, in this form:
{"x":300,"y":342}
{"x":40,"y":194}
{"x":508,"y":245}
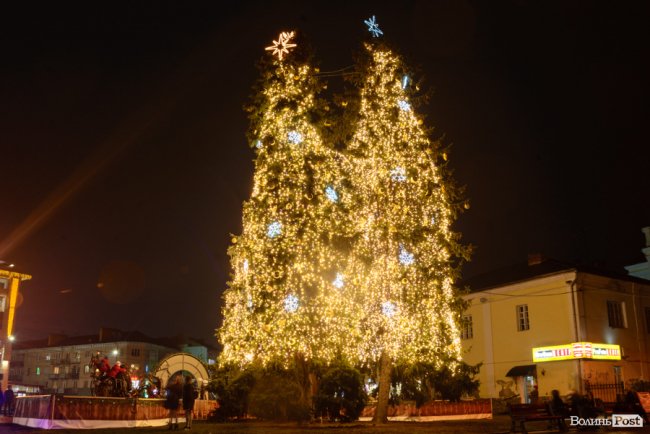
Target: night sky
{"x":125,"y":163}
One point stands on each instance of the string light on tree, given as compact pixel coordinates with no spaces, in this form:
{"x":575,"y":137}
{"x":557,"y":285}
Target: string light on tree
{"x":282,"y":45}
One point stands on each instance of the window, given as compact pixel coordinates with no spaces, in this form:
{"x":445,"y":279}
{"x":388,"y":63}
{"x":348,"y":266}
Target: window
{"x":86,"y":369}
{"x":523,"y":323}
{"x":38,"y":371}
{"x":55,"y":370}
{"x":616,"y":314}
{"x":467,"y":331}
{"x":135,"y":352}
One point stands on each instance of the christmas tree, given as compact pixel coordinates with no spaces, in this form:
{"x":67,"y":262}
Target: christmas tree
{"x":405,"y":259}
{"x":344,"y":254}
{"x":286,"y":300}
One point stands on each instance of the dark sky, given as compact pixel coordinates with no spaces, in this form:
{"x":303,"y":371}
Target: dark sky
{"x":124,"y":159}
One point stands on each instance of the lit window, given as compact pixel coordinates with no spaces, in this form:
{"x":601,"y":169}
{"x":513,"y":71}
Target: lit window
{"x":467,"y":330}
{"x":616,"y":314}
{"x":55,"y":370}
{"x":135,"y":352}
{"x":523,"y":323}
{"x":38,"y":371}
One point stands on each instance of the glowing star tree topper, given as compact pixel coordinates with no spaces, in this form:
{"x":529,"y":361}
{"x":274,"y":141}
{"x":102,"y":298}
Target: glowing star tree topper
{"x":282,"y":45}
{"x":373,"y":27}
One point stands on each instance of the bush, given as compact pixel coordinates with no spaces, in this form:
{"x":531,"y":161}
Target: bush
{"x":341,"y":396}
{"x":277,"y":397}
{"x":232,"y":395}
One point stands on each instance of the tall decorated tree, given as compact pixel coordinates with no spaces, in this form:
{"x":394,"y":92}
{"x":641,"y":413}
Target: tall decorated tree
{"x":406,"y":257}
{"x":286,"y":302}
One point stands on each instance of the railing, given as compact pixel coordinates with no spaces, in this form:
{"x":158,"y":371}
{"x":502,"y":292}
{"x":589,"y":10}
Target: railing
{"x":607,"y":392}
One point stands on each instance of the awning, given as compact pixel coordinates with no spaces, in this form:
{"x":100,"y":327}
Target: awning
{"x":522,"y":371}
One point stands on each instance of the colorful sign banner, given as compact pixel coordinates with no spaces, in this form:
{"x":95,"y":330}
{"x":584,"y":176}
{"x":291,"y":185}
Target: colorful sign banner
{"x":577,"y":350}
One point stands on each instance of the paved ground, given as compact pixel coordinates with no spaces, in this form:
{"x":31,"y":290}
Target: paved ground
{"x":498,"y":425}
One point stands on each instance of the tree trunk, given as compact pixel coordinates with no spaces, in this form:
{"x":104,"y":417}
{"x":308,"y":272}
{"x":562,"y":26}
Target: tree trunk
{"x":305,"y":380}
{"x":381,"y":412}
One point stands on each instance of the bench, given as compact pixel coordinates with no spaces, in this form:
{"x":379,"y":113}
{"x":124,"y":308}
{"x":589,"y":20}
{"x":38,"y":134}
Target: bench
{"x":522,"y":413}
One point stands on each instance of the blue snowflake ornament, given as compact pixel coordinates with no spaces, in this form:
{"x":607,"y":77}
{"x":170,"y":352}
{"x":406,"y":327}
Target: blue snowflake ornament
{"x":291,"y":303}
{"x":373,"y":27}
{"x":404,"y":105}
{"x":388,"y":308}
{"x":405,"y":257}
{"x":274,"y":229}
{"x":331,"y":194}
{"x":294,"y":137}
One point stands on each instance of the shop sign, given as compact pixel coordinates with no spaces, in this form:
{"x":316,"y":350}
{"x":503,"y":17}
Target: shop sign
{"x":577,"y":350}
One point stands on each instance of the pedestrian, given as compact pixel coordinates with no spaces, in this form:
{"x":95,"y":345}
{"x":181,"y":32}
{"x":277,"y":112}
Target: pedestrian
{"x":9,"y":401}
{"x":189,"y":395}
{"x":174,"y":392}
{"x":557,"y":407}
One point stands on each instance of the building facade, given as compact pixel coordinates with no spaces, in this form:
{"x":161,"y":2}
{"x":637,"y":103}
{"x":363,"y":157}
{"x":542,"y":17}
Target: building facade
{"x":10,"y":299}
{"x":548,"y":325}
{"x":60,"y":364}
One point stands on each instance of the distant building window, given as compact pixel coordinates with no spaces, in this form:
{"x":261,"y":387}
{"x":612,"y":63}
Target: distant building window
{"x":55,"y":370}
{"x":86,"y":369}
{"x":523,"y":322}
{"x":38,"y":371}
{"x":616,"y":314}
{"x":135,"y":352}
{"x":467,"y":330}
{"x":4,"y":283}
{"x":48,"y":357}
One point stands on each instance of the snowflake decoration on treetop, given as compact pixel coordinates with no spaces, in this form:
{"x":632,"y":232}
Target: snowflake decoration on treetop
{"x":373,"y":27}
{"x":282,"y":45}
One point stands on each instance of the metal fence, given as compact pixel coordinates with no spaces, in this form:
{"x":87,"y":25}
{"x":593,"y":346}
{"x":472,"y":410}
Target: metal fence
{"x":607,"y":392}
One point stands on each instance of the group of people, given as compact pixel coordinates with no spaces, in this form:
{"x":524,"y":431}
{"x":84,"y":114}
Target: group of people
{"x":176,"y":391}
{"x":7,"y":401}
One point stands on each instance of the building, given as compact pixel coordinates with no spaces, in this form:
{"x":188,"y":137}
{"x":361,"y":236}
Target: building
{"x":60,"y":364}
{"x":642,"y":269}
{"x":10,"y":299}
{"x":549,"y":325}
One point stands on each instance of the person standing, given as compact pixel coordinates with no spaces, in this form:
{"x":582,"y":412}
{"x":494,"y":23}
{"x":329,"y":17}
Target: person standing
{"x":174,"y":393}
{"x":9,"y":401}
{"x":189,"y":395}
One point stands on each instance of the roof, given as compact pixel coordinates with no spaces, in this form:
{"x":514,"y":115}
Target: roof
{"x":523,"y":271}
{"x":115,"y":336}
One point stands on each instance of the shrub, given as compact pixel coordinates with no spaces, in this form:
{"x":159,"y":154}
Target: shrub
{"x":341,"y":395}
{"x":276,"y":397}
